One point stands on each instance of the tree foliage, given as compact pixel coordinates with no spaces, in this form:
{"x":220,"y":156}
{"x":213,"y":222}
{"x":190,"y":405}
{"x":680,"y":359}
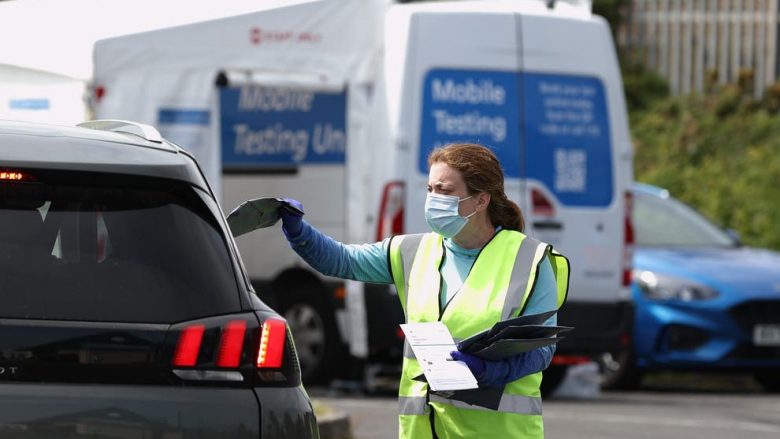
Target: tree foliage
{"x":719,"y":152}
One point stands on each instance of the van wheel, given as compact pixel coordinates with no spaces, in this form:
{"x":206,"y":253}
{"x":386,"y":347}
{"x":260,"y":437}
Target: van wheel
{"x":314,"y":330}
{"x":552,"y":377}
{"x":619,"y":371}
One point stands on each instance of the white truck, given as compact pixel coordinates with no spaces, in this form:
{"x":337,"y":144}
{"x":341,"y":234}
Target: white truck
{"x":338,"y":103}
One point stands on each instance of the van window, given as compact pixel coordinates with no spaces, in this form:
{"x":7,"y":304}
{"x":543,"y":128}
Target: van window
{"x":98,"y":247}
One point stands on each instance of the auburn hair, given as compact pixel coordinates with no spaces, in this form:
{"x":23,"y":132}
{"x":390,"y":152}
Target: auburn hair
{"x":481,"y":171}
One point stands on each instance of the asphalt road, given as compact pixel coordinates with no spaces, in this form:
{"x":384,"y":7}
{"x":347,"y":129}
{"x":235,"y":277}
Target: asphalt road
{"x":610,"y":415}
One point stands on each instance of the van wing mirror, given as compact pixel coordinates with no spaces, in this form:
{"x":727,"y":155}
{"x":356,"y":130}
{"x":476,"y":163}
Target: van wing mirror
{"x":254,"y":214}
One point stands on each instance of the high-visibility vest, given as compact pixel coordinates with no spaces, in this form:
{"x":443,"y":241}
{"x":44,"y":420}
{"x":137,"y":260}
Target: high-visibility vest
{"x":497,"y":288}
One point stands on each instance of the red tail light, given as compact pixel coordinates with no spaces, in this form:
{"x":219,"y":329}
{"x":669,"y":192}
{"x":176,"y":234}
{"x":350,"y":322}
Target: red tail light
{"x":7,"y":175}
{"x":273,"y":336}
{"x":236,"y":350}
{"x":231,"y":344}
{"x":628,"y":248}
{"x":188,"y":348}
{"x":391,"y":211}
{"x":540,"y":204}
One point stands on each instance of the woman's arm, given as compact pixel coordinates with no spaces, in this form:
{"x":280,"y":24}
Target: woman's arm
{"x":365,"y":262}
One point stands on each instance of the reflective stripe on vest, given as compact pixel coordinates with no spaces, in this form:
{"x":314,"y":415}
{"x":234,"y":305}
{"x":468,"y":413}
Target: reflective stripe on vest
{"x":412,"y":405}
{"x":530,"y":254}
{"x":524,"y":405}
{"x":401,"y":266}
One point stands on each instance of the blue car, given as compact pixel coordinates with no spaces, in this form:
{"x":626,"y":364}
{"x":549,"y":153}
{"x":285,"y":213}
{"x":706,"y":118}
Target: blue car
{"x":703,"y":301}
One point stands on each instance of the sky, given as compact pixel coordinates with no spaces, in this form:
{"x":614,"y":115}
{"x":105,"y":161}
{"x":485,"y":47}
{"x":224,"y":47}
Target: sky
{"x":57,"y":35}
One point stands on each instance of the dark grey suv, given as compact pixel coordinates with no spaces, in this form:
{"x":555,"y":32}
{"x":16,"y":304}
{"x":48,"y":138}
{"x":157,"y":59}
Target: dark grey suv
{"x":124,"y":308}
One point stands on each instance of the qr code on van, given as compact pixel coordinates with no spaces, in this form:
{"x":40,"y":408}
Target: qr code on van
{"x":570,"y":170}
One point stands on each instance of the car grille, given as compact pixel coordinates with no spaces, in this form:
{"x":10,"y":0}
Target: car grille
{"x":749,"y":314}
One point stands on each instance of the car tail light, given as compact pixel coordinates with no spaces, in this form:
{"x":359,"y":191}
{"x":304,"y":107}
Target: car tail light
{"x":628,"y":241}
{"x":540,"y":204}
{"x":231,"y":344}
{"x":188,"y":348}
{"x":391,"y":211}
{"x":235,"y":349}
{"x":273,"y":337}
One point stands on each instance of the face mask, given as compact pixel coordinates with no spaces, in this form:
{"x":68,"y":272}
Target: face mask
{"x":441,"y":214}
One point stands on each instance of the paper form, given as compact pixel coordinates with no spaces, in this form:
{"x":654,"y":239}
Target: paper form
{"x":432,"y":344}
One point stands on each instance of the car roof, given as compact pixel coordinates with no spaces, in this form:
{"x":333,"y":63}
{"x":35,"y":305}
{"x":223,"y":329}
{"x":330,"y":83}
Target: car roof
{"x":27,"y":145}
{"x":649,"y":189}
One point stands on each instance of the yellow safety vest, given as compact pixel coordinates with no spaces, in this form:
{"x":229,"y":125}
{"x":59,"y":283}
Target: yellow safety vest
{"x":497,"y":288}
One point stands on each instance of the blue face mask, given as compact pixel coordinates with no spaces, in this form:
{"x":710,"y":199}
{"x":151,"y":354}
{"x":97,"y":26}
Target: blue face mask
{"x":441,"y":214}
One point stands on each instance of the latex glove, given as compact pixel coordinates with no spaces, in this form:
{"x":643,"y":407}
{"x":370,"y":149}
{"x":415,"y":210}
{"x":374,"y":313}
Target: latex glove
{"x":292,"y":217}
{"x":475,"y":364}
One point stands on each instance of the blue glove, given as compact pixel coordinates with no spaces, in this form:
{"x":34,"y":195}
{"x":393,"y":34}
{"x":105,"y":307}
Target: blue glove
{"x":475,"y":364}
{"x":291,"y":212}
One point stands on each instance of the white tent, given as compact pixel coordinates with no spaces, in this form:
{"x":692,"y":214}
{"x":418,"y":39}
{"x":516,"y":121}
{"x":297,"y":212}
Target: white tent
{"x":149,"y":76}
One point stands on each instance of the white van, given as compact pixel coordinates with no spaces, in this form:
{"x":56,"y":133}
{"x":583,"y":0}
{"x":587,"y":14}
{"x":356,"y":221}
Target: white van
{"x":338,"y":103}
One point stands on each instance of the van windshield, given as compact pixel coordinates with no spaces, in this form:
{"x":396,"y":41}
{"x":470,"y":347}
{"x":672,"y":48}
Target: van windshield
{"x":101,"y":247}
{"x":668,"y":222}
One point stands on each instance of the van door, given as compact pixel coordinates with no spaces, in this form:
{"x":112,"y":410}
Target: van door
{"x":578,"y":165}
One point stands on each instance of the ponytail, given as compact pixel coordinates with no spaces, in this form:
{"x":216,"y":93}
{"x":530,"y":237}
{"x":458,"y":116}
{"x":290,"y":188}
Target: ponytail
{"x":505,"y":213}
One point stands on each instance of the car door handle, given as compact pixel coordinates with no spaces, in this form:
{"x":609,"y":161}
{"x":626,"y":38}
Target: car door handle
{"x":548,"y":225}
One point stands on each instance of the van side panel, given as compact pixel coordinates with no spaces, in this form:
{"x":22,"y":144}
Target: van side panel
{"x":583,"y":89}
{"x":588,"y":173}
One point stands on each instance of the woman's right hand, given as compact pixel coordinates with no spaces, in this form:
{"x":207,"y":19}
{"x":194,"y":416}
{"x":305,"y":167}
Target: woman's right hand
{"x":291,"y":212}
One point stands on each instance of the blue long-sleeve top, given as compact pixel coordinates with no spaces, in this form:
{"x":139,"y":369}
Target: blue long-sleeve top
{"x":368,"y":263}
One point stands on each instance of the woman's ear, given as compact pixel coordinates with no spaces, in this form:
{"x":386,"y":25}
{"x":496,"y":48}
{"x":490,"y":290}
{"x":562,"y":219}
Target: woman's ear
{"x":483,"y":200}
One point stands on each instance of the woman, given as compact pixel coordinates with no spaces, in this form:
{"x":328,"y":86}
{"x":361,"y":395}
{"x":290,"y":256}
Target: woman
{"x":476,"y":269}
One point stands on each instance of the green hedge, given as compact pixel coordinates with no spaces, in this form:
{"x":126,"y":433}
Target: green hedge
{"x":719,"y":152}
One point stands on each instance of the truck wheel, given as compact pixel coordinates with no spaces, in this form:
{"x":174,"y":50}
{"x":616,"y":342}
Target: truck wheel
{"x":313,"y":326}
{"x":552,"y":377}
{"x":619,"y":371}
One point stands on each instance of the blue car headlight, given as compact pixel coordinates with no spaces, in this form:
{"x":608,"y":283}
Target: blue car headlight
{"x":656,"y":286}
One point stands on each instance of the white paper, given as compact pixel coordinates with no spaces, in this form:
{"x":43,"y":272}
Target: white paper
{"x":432,"y":344}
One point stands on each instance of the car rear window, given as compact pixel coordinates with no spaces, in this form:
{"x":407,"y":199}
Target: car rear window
{"x":102,"y":247}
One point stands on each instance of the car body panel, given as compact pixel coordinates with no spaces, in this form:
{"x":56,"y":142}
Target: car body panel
{"x":716,"y":333}
{"x":53,"y":410}
{"x":29,"y":145}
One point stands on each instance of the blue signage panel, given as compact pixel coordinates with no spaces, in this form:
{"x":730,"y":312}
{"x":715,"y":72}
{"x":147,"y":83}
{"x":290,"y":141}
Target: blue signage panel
{"x":264,"y":127}
{"x":558,"y":135}
{"x":477,"y":106}
{"x":567,"y":137}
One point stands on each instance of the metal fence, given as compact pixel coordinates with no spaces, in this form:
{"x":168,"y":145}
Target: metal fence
{"x":695,"y":42}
